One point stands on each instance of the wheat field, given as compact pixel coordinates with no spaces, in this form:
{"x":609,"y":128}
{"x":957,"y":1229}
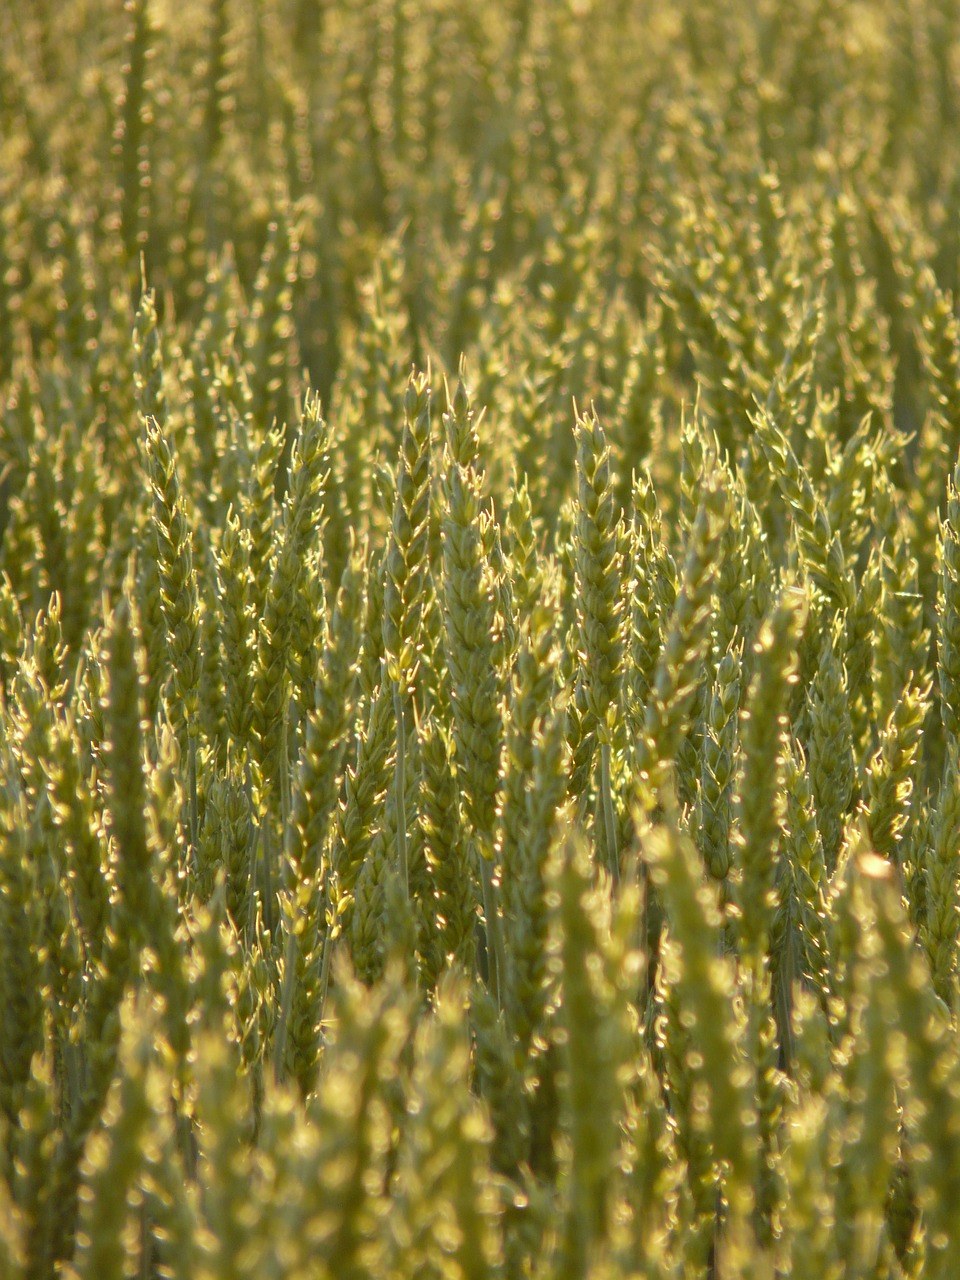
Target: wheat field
{"x":479,"y":640}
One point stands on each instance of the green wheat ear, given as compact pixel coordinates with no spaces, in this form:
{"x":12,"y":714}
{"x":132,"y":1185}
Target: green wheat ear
{"x":471,"y":637}
{"x":715,"y":794}
{"x":406,"y":579}
{"x":803,"y":854}
{"x":406,"y":590}
{"x":309,"y":473}
{"x":599,"y":589}
{"x":117,"y":1156}
{"x":679,"y":666}
{"x":891,"y":773}
{"x":926,"y":1052}
{"x":760,"y":798}
{"x":819,"y":546}
{"x":831,"y":744}
{"x":124,"y":758}
{"x":180,"y":597}
{"x":948,"y":613}
{"x":942,"y":921}
{"x":148,"y":360}
{"x":705,"y":984}
{"x":470,"y":620}
{"x":22,"y":1025}
{"x":600,"y":968}
{"x":598,"y":538}
{"x":651,"y":589}
{"x":325,"y":739}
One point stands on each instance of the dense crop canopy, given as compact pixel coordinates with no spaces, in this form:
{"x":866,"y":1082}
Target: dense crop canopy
{"x":479,"y":640}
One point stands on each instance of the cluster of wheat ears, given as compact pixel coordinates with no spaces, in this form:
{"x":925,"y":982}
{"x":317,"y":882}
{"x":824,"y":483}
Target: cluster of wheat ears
{"x":479,"y":640}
